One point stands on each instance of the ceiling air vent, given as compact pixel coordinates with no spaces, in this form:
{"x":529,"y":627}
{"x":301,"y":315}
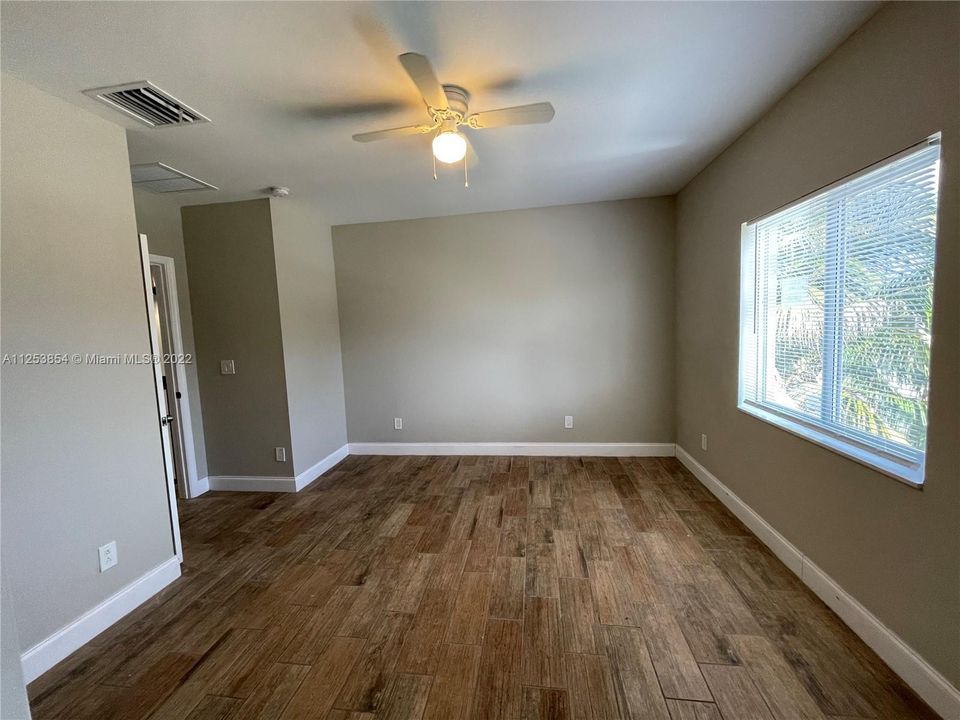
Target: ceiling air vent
{"x":148,"y":104}
{"x":160,"y":178}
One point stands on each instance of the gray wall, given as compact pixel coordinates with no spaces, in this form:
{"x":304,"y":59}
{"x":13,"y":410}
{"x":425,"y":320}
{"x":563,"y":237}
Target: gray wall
{"x":311,"y":331}
{"x":13,"y":694}
{"x":236,"y":316}
{"x":158,"y":217}
{"x":82,"y":462}
{"x":894,"y":548}
{"x":492,"y":327}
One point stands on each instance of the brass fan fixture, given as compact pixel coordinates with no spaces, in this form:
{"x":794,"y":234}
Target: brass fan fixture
{"x":447,"y":106}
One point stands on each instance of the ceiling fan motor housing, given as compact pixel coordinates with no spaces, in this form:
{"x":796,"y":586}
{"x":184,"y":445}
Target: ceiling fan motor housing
{"x":457,"y":98}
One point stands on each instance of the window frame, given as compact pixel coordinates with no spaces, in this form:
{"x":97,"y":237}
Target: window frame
{"x":907,"y":467}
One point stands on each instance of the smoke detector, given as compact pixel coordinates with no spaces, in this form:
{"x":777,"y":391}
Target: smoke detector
{"x":278,"y":191}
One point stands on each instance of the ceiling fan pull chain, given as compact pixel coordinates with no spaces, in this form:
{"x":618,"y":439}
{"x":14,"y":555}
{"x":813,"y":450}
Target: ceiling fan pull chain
{"x":466,"y":181}
{"x":434,"y":167}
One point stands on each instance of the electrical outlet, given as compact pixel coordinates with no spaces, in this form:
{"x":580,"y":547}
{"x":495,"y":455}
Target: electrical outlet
{"x":568,"y":421}
{"x":227,"y":367}
{"x":398,"y":423}
{"x":108,"y":555}
{"x":280,"y":454}
{"x":703,"y":442}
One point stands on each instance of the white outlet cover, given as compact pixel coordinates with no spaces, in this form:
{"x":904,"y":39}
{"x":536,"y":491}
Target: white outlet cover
{"x":227,"y":367}
{"x":108,"y":555}
{"x":568,"y":421}
{"x":703,"y":442}
{"x":280,"y":454}
{"x":398,"y":423}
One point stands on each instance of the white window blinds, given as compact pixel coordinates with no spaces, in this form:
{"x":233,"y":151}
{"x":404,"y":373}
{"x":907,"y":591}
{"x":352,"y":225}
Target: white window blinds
{"x":836,"y":308}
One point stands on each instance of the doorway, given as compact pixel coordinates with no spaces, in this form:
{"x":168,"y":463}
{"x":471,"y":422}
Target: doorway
{"x":173,"y":378}
{"x":171,"y":384}
{"x":158,"y":314}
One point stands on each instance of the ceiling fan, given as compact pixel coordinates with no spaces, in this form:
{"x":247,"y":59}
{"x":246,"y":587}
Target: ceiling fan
{"x":447,"y":106}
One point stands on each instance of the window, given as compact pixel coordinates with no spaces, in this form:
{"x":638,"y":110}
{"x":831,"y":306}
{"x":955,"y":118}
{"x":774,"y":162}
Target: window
{"x":836,"y":308}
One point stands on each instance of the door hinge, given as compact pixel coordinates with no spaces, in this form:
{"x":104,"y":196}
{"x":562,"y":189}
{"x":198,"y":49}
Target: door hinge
{"x":163,"y":379}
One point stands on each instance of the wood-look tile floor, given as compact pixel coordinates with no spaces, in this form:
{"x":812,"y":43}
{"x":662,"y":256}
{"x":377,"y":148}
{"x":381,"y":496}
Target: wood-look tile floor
{"x":402,"y":588}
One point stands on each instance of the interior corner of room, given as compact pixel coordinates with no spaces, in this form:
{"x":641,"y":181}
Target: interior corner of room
{"x":607,"y":414}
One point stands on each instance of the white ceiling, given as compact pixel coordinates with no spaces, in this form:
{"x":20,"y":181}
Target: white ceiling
{"x":646,"y":94}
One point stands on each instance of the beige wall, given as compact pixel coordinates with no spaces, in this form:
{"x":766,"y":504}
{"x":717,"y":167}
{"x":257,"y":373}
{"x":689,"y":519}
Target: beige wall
{"x":492,"y":327}
{"x":311,"y":331}
{"x":894,"y":548}
{"x":158,"y":217}
{"x":236,"y":316}
{"x":82,"y":462}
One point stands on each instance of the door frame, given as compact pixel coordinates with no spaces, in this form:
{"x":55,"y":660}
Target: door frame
{"x":165,"y":452}
{"x":181,"y":409}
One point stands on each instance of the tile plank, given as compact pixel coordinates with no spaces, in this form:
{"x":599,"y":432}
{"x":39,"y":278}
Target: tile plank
{"x":676,"y":667}
{"x":687,"y":710}
{"x":498,"y":684}
{"x":320,"y":687}
{"x":506,"y":595}
{"x":590,"y":686}
{"x":542,"y":664}
{"x":364,"y":688}
{"x":470,"y":609}
{"x":580,"y":629}
{"x":735,"y":693}
{"x":785,"y":695}
{"x":545,"y":704}
{"x":406,"y":698}
{"x":634,"y":675}
{"x":454,"y":683}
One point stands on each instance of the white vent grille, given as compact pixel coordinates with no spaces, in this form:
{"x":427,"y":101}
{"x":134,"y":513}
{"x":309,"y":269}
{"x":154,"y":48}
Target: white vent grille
{"x":148,"y":104}
{"x":160,"y":178}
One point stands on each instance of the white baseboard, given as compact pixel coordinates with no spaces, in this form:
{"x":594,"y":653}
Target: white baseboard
{"x":200,"y":486}
{"x":259,"y":483}
{"x":48,"y":652}
{"x":925,"y":680}
{"x":506,"y":448}
{"x":252,"y":483}
{"x":312,"y":473}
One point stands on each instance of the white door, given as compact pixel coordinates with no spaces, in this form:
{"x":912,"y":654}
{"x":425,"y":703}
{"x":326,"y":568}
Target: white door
{"x":164,"y":417}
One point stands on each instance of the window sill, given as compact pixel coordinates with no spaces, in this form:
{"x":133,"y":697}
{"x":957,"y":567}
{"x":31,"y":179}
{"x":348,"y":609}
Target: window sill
{"x":909,"y":474}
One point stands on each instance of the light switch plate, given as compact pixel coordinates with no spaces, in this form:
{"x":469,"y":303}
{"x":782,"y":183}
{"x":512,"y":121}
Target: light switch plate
{"x":227,"y":367}
{"x":108,"y":555}
{"x":280,"y":454}
{"x":398,"y":423}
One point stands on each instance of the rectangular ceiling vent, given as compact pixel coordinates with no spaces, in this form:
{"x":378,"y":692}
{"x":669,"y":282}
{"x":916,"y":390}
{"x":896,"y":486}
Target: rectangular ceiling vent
{"x":160,"y":178}
{"x":148,"y":104}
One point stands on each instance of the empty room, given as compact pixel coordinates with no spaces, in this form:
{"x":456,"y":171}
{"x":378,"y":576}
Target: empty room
{"x":479,"y":360}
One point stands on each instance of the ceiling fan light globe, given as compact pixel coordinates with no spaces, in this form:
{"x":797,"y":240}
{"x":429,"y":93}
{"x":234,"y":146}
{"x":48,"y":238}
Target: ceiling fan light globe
{"x":449,"y":147}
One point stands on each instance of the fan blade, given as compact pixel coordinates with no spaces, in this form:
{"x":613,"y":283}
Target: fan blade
{"x":421,"y":72}
{"x":392,"y":133}
{"x":520,"y":115}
